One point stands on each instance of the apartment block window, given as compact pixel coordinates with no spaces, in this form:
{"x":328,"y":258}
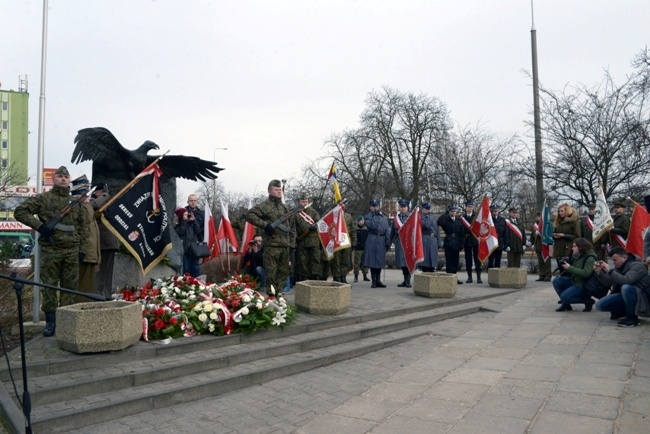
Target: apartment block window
{"x":5,"y":125}
{"x":5,"y":144}
{"x":4,"y":163}
{"x":5,"y":105}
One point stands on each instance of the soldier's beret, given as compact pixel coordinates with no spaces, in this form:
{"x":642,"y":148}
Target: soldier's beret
{"x":62,"y":171}
{"x":619,"y":205}
{"x":403,"y":202}
{"x":469,"y":203}
{"x":275,"y":183}
{"x":359,"y":218}
{"x":426,"y":205}
{"x":373,"y":203}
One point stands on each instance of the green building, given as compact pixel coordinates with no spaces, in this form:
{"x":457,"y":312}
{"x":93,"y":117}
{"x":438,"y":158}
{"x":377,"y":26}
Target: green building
{"x":14,"y":116}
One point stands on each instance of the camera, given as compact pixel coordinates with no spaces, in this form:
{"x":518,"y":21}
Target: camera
{"x":564,"y":260}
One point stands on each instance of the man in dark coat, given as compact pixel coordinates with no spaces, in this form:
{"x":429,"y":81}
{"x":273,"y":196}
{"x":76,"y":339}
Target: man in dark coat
{"x":359,"y":248}
{"x":400,"y":259}
{"x":378,"y":241}
{"x":430,"y":239}
{"x":494,"y":261}
{"x":516,"y":238}
{"x":471,"y":245}
{"x":621,"y":225}
{"x":454,"y":239}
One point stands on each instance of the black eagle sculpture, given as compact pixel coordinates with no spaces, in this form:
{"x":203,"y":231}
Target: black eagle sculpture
{"x":116,"y":166}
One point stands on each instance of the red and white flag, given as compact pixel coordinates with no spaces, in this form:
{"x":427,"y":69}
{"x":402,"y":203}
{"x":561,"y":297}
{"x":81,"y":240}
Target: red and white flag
{"x":410,"y":235}
{"x":639,"y":225}
{"x":484,"y":231}
{"x":333,"y":232}
{"x":226,"y":235}
{"x":210,"y":234}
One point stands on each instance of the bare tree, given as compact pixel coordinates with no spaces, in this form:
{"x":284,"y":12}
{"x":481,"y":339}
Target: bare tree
{"x":598,"y":134}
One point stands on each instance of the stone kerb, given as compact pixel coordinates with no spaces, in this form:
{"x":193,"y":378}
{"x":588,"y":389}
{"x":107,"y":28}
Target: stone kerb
{"x":99,"y":326}
{"x":507,"y":278}
{"x":435,"y":285}
{"x":319,"y":297}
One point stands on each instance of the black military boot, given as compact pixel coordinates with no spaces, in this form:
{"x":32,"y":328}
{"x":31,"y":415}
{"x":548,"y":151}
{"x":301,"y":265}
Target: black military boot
{"x":365,"y":277}
{"x":50,"y":324}
{"x":379,"y":284}
{"x":356,"y":278}
{"x":343,"y":279}
{"x":469,"y":277}
{"x":404,"y":283}
{"x":374,"y":280}
{"x":478,"y":277}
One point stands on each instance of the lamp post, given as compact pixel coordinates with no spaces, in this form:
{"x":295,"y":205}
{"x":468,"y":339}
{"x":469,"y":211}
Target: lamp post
{"x":214,"y":181}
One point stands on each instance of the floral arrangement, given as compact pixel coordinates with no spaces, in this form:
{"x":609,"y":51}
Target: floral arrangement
{"x":185,"y":306}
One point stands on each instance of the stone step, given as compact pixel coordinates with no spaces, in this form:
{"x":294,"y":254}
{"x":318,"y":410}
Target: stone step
{"x":45,"y":389}
{"x":76,"y":413}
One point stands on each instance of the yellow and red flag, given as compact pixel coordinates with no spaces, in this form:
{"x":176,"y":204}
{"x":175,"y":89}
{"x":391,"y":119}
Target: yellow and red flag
{"x":333,"y":232}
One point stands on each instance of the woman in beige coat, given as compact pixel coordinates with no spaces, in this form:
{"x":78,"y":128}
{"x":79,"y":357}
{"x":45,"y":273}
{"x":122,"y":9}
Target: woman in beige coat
{"x":566,"y":228}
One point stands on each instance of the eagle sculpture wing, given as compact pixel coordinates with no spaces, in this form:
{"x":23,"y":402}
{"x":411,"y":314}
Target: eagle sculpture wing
{"x":192,"y":168}
{"x":99,"y":146}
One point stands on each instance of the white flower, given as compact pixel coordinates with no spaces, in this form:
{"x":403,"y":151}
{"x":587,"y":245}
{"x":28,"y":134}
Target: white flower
{"x":244,"y":311}
{"x":259,"y":306}
{"x":198,"y":307}
{"x":192,"y":297}
{"x":208,"y":307}
{"x":214,"y":316}
{"x":211,"y":327}
{"x":272,"y":290}
{"x":246,"y":298}
{"x":278,"y":319}
{"x":176,"y":290}
{"x":203,"y":317}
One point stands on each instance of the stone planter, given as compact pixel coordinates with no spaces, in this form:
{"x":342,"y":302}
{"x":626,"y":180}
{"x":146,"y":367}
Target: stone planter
{"x":99,"y":326}
{"x":322,"y":298}
{"x":435,"y":285}
{"x":507,"y":278}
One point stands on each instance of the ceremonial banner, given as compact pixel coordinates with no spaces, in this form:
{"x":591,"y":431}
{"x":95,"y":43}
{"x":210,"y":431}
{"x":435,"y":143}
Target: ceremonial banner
{"x":226,"y":235}
{"x":248,"y":234}
{"x":546,"y":232}
{"x":333,"y":232}
{"x":410,"y":235}
{"x":335,"y":184}
{"x":639,"y":226}
{"x":484,"y":231}
{"x":138,"y":218}
{"x":210,"y":234}
{"x":603,"y":221}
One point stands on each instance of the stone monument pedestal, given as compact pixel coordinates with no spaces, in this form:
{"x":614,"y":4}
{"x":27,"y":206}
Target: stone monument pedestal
{"x":319,"y":297}
{"x":127,"y":271}
{"x":98,"y":326}
{"x":435,"y":285}
{"x":507,"y":278}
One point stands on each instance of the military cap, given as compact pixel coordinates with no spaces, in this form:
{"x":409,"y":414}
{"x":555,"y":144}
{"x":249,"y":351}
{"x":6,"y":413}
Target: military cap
{"x":493,"y":206}
{"x":469,"y":203}
{"x":373,"y":203}
{"x":403,"y":202}
{"x":426,"y":205}
{"x":452,"y":208}
{"x":591,"y":206}
{"x":79,"y":186}
{"x":275,"y":183}
{"x":513,"y":210}
{"x":619,"y":205}
{"x":62,"y":171}
{"x":359,"y":217}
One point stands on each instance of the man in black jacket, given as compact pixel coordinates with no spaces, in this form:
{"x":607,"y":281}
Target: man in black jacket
{"x":454,"y":239}
{"x":494,"y":261}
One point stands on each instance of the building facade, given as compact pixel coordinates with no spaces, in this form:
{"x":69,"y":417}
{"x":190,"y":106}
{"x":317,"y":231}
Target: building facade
{"x":14,"y":130}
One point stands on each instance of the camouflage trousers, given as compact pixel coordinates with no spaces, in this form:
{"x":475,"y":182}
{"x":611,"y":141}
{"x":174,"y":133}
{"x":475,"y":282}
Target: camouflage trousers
{"x":308,"y":259}
{"x":340,"y":264}
{"x":59,"y":267}
{"x":358,"y":255}
{"x":276,"y":263}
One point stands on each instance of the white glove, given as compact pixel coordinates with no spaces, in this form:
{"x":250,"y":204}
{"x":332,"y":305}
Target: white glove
{"x":507,"y":249}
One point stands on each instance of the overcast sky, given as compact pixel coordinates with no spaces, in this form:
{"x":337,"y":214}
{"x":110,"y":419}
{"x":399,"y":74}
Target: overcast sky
{"x":271,"y":80}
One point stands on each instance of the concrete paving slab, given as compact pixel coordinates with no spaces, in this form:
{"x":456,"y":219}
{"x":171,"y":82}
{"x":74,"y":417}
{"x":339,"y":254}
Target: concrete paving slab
{"x":557,"y":360}
{"x":505,"y":406}
{"x":475,"y":422}
{"x":416,"y":376}
{"x":516,"y":387}
{"x":491,"y":363}
{"x":403,"y":424}
{"x":537,"y":373}
{"x":587,"y":384}
{"x":327,"y":424}
{"x":599,"y":370}
{"x":521,"y":343}
{"x":462,"y":392}
{"x":556,"y":422}
{"x":511,"y":353}
{"x":606,"y":358}
{"x":437,"y":363}
{"x":436,"y":410}
{"x":474,"y":376}
{"x":367,"y":408}
{"x":583,"y":404}
{"x":394,"y":391}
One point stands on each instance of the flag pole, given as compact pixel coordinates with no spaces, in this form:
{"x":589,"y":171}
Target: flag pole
{"x":129,"y":185}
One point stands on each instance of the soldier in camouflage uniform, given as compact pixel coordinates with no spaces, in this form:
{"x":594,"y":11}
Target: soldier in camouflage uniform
{"x":62,"y":249}
{"x":277,"y":240}
{"x":342,"y":261}
{"x":308,"y":252}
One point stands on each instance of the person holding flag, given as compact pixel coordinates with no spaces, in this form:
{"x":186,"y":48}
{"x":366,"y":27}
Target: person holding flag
{"x":499,"y":223}
{"x":454,"y":240}
{"x":308,"y":248}
{"x":430,"y":240}
{"x":340,"y":264}
{"x":543,"y":263}
{"x":620,"y":230}
{"x":471,"y":244}
{"x":378,"y":241}
{"x":515,"y":239}
{"x":400,"y":260}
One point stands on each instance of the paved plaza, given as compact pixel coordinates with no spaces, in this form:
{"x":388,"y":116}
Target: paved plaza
{"x":516,"y":367}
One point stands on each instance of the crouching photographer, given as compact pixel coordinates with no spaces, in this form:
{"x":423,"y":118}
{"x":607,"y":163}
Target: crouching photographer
{"x":569,"y":284}
{"x":254,"y":260}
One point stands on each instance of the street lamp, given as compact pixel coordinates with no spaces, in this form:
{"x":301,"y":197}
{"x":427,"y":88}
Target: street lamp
{"x":214,"y":181}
